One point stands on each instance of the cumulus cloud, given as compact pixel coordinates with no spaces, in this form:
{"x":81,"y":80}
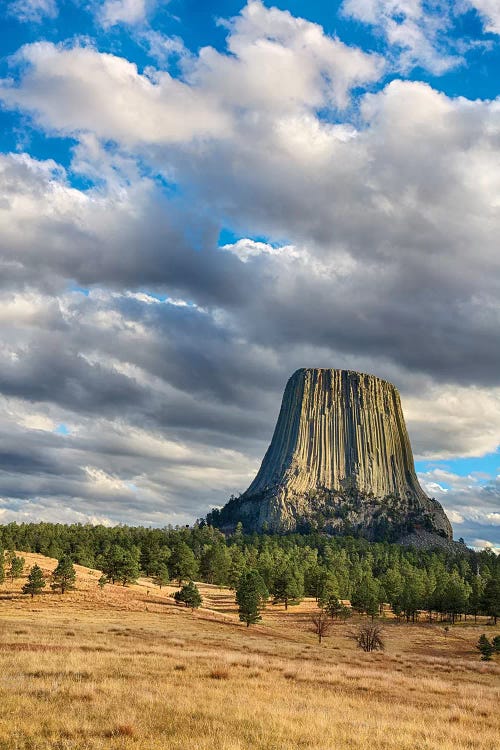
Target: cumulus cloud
{"x":275,"y":64}
{"x":417,"y":30}
{"x":113,"y":12}
{"x":472,"y":503}
{"x":489,"y":11}
{"x":423,"y":33}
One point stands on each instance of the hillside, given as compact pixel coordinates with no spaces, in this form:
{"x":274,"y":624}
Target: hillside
{"x":124,"y":668}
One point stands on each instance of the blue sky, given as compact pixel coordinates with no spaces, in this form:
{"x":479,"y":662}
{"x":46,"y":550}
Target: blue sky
{"x":199,"y":198}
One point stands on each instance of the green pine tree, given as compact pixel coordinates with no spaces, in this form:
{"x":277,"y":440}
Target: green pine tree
{"x":129,"y":570}
{"x":161,"y":577}
{"x":331,"y":605}
{"x":491,"y":599}
{"x":35,"y":582}
{"x":236,"y":566}
{"x":215,"y":563}
{"x":251,"y":595}
{"x":485,"y":647}
{"x":366,"y":596}
{"x":189,"y":595}
{"x":287,"y":586}
{"x":64,"y":576}
{"x":182,"y":564}
{"x":16,"y":567}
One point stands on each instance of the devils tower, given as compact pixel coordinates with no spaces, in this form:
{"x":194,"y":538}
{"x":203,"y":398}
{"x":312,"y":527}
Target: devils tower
{"x":340,"y":461}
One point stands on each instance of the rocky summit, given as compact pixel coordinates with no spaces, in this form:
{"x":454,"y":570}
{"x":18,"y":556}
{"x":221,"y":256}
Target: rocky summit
{"x":340,"y":461}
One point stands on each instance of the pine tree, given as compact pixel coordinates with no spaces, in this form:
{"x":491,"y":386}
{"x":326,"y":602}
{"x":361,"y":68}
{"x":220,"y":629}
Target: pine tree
{"x":496,"y":644}
{"x":16,"y":567}
{"x":331,"y":605}
{"x":182,"y":564}
{"x":64,"y":576}
{"x":491,"y":599}
{"x":411,"y":598}
{"x":251,"y":595}
{"x":215,"y":564}
{"x":121,"y":564}
{"x":485,"y":647}
{"x":103,"y":580}
{"x":366,"y":596}
{"x":287,"y":586}
{"x":112,"y":561}
{"x":161,"y":578}
{"x":476,"y":596}
{"x":129,"y":570}
{"x":152,"y":558}
{"x":325,"y":585}
{"x":456,"y":595}
{"x":236,"y":566}
{"x":238,"y":533}
{"x":189,"y":595}
{"x":35,"y":582}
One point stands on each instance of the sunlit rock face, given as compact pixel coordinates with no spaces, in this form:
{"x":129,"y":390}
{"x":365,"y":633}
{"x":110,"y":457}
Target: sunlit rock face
{"x":340,"y":460}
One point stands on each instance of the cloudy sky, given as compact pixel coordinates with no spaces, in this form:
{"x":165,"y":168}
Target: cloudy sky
{"x":197,"y":198}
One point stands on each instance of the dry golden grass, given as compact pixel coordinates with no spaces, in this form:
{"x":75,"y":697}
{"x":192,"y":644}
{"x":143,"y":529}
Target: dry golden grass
{"x":127,"y":669}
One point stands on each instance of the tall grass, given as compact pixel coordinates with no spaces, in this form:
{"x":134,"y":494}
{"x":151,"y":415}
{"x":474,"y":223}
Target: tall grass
{"x":94,"y":670}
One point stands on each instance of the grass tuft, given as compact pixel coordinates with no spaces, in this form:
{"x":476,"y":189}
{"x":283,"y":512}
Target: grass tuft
{"x":219,"y":673}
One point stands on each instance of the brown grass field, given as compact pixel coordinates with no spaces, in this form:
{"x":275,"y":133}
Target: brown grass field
{"x":127,"y":668}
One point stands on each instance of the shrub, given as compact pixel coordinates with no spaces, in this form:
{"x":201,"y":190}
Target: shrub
{"x":219,"y":673}
{"x":369,"y":637}
{"x":485,"y":647}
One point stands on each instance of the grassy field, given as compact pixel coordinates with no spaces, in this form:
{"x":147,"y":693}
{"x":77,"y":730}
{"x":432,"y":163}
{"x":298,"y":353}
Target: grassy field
{"x":127,"y":668}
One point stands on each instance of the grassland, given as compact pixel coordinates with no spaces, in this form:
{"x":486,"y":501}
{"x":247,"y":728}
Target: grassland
{"x":126,"y":668}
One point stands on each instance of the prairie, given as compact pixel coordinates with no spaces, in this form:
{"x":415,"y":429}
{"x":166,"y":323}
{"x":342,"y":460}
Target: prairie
{"x":127,"y":668}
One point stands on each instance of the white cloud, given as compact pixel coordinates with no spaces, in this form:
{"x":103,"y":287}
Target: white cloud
{"x":423,"y":33}
{"x":489,"y":10}
{"x":415,"y":29}
{"x":485,"y":544}
{"x":278,"y":66}
{"x":453,"y":420}
{"x":80,"y":89}
{"x":244,"y":249}
{"x":472,"y":503}
{"x":129,"y":12}
{"x":33,"y":11}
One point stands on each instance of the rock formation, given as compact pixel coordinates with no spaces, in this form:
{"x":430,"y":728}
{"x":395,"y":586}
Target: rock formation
{"x":339,"y":461}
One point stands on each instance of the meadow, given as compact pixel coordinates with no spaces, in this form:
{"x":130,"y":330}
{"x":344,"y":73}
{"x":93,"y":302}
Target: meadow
{"x":125,"y":667}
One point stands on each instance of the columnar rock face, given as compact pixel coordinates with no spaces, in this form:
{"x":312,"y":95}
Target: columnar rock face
{"x":339,"y":460}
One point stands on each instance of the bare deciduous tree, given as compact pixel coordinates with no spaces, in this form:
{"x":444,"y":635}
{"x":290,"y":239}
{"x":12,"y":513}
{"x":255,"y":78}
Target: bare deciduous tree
{"x":369,"y":637}
{"x":320,"y":625}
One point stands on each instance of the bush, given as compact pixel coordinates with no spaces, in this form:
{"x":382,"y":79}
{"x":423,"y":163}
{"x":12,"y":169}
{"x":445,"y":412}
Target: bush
{"x":369,"y":637}
{"x":485,"y":647}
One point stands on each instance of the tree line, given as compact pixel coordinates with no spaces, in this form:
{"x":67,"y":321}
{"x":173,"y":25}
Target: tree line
{"x":441,"y":583}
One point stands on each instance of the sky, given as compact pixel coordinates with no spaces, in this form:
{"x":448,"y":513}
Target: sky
{"x":197,"y":198}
